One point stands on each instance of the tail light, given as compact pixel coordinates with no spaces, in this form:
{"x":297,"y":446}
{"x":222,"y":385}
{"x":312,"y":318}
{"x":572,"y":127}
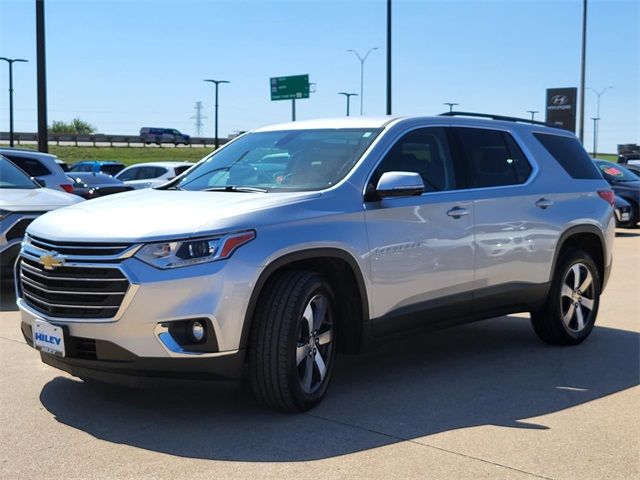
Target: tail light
{"x":608,"y":196}
{"x":67,"y":188}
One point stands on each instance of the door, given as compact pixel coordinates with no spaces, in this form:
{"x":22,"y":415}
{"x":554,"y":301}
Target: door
{"x":514,"y":236}
{"x":420,"y":247}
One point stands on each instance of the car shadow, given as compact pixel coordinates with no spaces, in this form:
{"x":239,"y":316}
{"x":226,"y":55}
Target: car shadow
{"x":7,"y":297}
{"x":489,"y":373}
{"x":627,"y":234}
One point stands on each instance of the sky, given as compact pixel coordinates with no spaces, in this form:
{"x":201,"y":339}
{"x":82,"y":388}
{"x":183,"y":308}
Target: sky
{"x":122,"y":65}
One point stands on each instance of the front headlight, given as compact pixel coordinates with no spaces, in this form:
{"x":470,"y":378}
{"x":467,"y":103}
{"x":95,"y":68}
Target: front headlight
{"x":181,"y":253}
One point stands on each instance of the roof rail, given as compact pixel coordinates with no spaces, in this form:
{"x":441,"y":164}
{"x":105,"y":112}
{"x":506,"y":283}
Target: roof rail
{"x":493,"y":117}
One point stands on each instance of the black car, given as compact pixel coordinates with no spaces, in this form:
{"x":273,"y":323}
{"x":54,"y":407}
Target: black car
{"x":622,"y":211}
{"x":93,"y":185}
{"x":625,"y":184}
{"x":633,"y":168}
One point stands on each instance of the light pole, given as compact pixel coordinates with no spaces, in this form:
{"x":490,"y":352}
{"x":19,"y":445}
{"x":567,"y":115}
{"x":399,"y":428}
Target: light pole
{"x":583,"y":61}
{"x":362,"y":60}
{"x":533,"y":114}
{"x":451,"y":105}
{"x":595,"y":135}
{"x":348,"y":97}
{"x":595,"y":123}
{"x":216,"y":83}
{"x":11,"y":61}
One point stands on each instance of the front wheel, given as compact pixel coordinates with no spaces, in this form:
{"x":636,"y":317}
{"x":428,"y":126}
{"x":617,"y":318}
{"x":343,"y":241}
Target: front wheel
{"x":292,"y":347}
{"x":570,"y":311}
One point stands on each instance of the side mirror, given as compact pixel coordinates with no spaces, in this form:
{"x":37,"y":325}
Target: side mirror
{"x":39,"y":181}
{"x":399,"y":184}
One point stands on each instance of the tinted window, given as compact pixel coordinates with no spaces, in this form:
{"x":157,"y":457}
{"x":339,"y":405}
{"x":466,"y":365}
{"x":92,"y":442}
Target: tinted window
{"x":111,"y":169}
{"x":181,"y":170}
{"x":569,"y":154}
{"x":424,"y":151}
{"x":131,"y":174}
{"x":493,"y":158}
{"x":32,"y":167}
{"x":12,"y":177}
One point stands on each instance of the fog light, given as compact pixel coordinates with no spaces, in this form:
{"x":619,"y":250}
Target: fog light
{"x":197,"y":331}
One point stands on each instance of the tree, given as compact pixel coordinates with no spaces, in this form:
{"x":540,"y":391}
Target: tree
{"x":76,"y":126}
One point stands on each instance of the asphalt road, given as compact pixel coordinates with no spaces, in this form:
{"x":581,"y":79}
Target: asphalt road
{"x":486,"y":400}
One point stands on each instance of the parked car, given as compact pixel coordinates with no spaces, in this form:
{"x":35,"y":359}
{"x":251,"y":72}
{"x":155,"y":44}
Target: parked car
{"x":622,"y":209}
{"x":146,"y":175}
{"x":635,"y":169}
{"x":22,"y":200}
{"x":163,"y":135}
{"x":97,"y":166}
{"x":43,"y":167}
{"x":625,"y":184}
{"x":359,"y":228}
{"x":94,"y":185}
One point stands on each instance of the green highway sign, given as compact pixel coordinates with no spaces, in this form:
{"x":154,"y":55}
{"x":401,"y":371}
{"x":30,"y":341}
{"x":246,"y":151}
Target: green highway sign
{"x":289,"y":88}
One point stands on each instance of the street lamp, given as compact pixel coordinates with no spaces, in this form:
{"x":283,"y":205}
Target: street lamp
{"x":216,"y":83}
{"x":362,"y":60}
{"x":11,"y":61}
{"x":595,"y":123}
{"x":348,"y":96}
{"x":451,"y":105}
{"x":533,"y":114}
{"x":595,"y":135}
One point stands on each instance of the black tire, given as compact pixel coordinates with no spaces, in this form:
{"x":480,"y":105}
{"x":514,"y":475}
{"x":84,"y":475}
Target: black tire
{"x":634,"y":215}
{"x":278,"y":337}
{"x":549,"y":322}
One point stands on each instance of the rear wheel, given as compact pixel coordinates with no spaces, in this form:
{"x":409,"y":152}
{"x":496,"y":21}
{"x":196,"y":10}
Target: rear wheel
{"x":570,"y":311}
{"x":292,"y":347}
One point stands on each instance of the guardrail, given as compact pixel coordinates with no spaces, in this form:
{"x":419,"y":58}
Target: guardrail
{"x":99,"y":138}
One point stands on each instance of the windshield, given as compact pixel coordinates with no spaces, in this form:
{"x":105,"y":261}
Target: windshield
{"x":286,"y":160}
{"x":12,"y":177}
{"x":615,"y":173}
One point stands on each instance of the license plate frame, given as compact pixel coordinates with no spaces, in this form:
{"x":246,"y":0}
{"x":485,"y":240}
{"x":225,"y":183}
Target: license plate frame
{"x":48,"y":338}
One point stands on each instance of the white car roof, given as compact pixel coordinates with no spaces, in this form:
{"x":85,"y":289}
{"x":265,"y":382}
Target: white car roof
{"x":330,"y":123}
{"x":20,"y":152}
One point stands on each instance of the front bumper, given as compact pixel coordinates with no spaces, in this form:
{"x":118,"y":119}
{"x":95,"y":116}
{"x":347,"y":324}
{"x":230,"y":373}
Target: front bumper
{"x":134,"y":342}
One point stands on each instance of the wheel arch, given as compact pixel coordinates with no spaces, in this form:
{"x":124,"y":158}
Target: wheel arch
{"x":588,"y":238}
{"x":342,"y":270}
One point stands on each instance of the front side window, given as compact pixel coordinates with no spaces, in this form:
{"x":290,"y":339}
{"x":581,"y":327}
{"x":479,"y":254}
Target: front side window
{"x":286,"y":160}
{"x":493,"y":158}
{"x":424,"y":151}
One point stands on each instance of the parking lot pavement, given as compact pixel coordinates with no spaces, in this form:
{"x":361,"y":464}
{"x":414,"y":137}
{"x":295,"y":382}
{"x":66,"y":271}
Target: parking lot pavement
{"x":486,"y":400}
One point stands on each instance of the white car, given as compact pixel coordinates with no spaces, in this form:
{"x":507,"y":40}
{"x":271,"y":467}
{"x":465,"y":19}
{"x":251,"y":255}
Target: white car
{"x":21,"y":201}
{"x":48,"y":170}
{"x":147,"y":175}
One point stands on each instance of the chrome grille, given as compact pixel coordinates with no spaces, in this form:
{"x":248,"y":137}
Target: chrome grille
{"x":79,"y":249}
{"x":72,"y":291}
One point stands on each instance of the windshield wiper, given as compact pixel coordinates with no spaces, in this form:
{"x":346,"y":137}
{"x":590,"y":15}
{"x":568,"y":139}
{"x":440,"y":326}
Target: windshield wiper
{"x":235,"y":188}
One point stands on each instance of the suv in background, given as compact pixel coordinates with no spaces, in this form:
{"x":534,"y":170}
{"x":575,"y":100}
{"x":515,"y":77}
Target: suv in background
{"x":296,"y":241}
{"x":44,"y":168}
{"x":22,"y":200}
{"x":152,"y":174}
{"x":163,"y":135}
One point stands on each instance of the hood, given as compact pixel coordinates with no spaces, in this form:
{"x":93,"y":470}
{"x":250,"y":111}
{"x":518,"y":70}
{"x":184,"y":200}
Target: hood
{"x":147,"y":215}
{"x":35,"y":199}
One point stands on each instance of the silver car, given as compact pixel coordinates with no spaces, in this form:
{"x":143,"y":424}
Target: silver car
{"x":48,"y":170}
{"x":297,"y":241}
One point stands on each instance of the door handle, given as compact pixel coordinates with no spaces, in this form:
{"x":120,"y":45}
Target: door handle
{"x":544,"y":203}
{"x":457,"y":212}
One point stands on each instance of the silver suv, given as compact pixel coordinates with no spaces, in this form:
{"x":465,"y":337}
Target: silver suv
{"x":297,"y":241}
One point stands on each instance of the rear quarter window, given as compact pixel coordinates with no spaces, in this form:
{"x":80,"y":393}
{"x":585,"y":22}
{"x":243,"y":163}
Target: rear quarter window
{"x":570,"y":154}
{"x":32,"y":167}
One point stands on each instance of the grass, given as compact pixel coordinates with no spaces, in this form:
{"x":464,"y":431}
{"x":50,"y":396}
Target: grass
{"x":131,"y":155}
{"x":126,"y":155}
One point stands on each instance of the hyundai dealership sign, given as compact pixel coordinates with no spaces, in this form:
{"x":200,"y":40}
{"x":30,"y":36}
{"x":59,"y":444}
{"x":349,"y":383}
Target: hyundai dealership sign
{"x":561,"y":108}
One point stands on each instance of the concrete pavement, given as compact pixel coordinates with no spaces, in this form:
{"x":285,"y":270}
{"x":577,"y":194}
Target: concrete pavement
{"x":487,"y":400}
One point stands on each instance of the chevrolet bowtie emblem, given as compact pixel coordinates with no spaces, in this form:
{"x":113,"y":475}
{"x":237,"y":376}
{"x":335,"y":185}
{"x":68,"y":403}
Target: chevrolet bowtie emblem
{"x":50,"y":261}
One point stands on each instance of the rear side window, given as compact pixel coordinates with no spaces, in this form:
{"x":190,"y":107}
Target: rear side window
{"x":493,"y":158}
{"x":32,"y":167}
{"x":570,"y":155}
{"x":181,"y":170}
